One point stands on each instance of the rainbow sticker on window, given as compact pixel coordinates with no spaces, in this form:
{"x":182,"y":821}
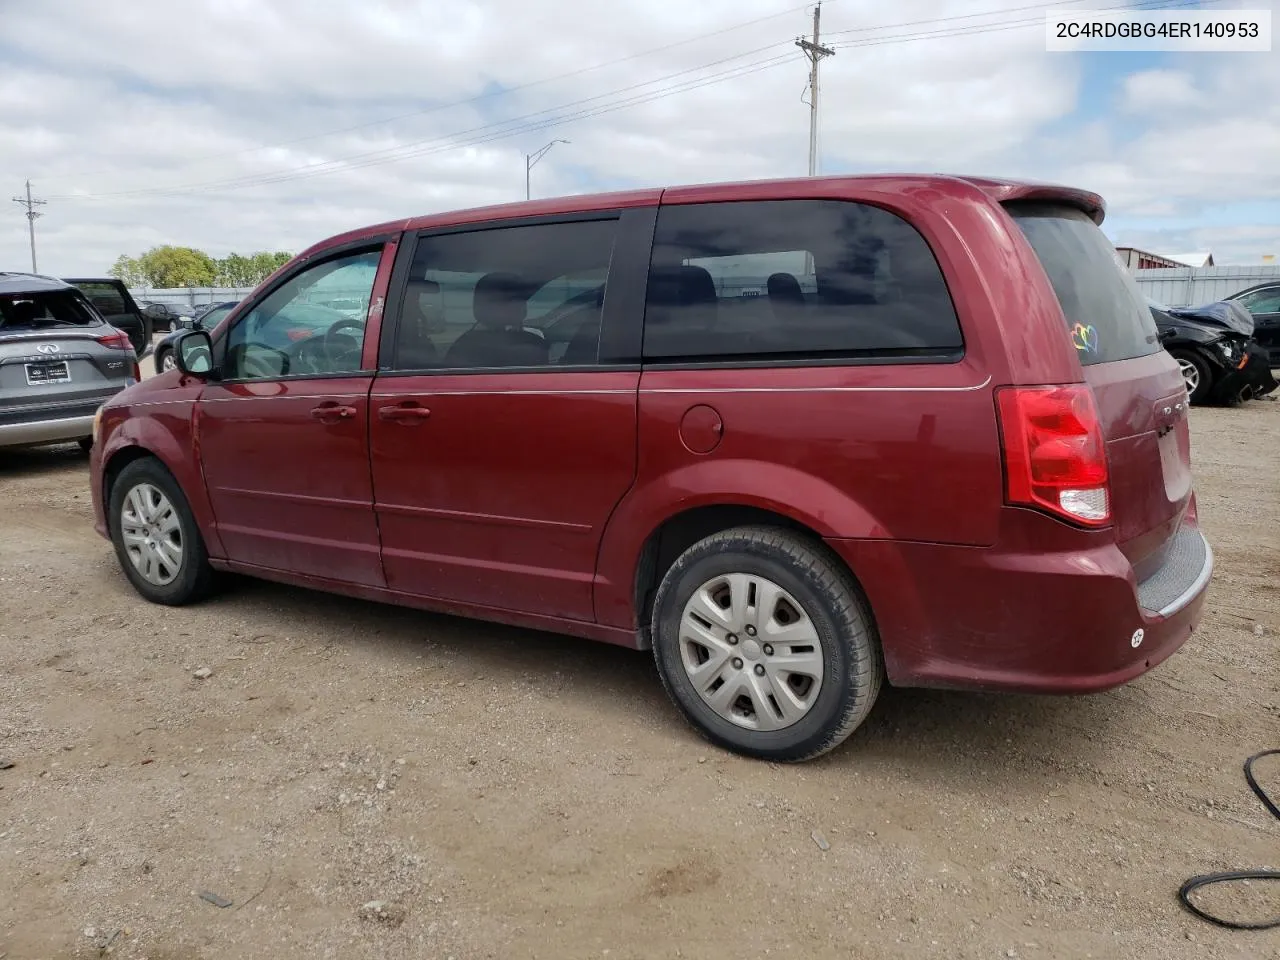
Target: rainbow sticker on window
{"x":1084,"y":338}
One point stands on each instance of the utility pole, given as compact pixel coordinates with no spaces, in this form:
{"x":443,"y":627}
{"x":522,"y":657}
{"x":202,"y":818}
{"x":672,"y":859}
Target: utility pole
{"x":532,"y":158}
{"x":32,"y":213}
{"x":814,"y":50}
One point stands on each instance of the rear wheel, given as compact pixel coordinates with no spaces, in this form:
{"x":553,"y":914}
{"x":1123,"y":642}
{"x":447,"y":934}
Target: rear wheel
{"x":165,"y":361}
{"x":1195,"y":374}
{"x":155,"y":535}
{"x":765,"y":644}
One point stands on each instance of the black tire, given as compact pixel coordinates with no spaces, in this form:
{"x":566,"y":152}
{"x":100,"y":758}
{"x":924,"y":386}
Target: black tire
{"x":86,"y":443}
{"x":195,"y":578}
{"x":160,"y":357}
{"x":1205,"y":386}
{"x":853,"y":669}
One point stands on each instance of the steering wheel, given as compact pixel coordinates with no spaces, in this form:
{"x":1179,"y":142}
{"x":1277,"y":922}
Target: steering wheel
{"x":322,"y":353}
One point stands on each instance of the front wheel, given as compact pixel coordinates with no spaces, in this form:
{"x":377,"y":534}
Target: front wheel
{"x":156,"y":537}
{"x":165,"y":361}
{"x":1196,"y":374}
{"x":765,"y":644}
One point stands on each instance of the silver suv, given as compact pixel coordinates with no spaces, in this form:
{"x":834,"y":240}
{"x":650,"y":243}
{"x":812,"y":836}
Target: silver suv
{"x":59,"y":361}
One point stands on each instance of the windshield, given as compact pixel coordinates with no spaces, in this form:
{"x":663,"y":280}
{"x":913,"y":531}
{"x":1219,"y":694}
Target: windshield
{"x":38,"y":311}
{"x":211,"y":318}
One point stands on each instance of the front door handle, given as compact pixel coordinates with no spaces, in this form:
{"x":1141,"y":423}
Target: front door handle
{"x":404,"y":413}
{"x":331,"y":410}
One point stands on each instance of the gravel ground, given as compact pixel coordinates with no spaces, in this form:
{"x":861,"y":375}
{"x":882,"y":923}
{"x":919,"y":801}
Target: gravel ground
{"x":514,"y":794}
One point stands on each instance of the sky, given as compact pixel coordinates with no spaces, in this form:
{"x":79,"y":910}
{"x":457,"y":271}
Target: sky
{"x":242,"y":125}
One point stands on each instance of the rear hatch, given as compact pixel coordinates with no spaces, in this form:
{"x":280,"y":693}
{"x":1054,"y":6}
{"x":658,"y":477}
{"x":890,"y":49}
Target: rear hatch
{"x":111,"y":298}
{"x":57,"y":358}
{"x":1140,"y":396}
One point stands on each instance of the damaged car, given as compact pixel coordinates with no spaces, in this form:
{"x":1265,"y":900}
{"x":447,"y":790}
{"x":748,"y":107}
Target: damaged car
{"x":1215,"y":350}
{"x":1263,"y":303}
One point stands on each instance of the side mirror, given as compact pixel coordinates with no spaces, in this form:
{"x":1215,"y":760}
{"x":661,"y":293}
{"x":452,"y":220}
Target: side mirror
{"x":193,"y":354}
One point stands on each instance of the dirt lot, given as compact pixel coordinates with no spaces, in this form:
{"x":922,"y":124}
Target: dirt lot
{"x":512,"y":794}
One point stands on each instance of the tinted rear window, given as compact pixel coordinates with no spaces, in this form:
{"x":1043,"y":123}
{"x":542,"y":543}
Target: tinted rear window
{"x":38,"y":311}
{"x":1107,"y":317}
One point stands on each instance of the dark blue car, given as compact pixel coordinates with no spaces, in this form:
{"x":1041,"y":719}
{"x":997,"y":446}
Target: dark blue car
{"x":207,"y":316}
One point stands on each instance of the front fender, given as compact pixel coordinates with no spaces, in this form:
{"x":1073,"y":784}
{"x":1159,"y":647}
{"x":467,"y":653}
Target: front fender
{"x":746,"y":483}
{"x":164,"y":429}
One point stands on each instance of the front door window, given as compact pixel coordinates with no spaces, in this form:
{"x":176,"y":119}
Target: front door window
{"x":311,"y":325}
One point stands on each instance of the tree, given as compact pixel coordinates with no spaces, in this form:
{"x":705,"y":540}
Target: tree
{"x":265,"y":264}
{"x":168,"y":266}
{"x":128,"y":269}
{"x":236,"y":270}
{"x":178,"y":267}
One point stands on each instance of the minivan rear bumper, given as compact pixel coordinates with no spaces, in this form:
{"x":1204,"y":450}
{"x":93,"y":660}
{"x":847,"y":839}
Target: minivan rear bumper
{"x":1028,"y":619}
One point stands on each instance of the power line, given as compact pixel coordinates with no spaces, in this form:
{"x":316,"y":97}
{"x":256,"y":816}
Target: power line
{"x":1002,"y":25}
{"x":486,"y":96}
{"x":540,"y":125}
{"x":251,"y":179}
{"x":958,"y":16}
{"x":394,"y":153}
{"x":487,"y":133}
{"x":32,"y":214}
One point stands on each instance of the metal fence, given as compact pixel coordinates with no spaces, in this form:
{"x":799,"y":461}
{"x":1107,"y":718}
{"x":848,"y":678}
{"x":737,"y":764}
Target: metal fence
{"x":189,"y":297}
{"x":1192,"y":286}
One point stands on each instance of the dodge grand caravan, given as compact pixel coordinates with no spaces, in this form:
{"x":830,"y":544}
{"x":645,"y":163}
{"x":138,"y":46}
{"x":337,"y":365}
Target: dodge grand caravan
{"x":798,"y":437}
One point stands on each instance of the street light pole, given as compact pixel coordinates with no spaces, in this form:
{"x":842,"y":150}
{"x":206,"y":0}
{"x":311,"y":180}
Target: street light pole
{"x":530,"y":159}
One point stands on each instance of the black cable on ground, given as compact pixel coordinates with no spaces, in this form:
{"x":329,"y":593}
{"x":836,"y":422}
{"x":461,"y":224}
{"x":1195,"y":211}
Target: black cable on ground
{"x":1207,"y":879}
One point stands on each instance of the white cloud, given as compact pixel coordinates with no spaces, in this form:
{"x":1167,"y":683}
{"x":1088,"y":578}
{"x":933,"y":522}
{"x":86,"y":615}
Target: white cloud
{"x":1160,"y":90}
{"x":121,"y":101}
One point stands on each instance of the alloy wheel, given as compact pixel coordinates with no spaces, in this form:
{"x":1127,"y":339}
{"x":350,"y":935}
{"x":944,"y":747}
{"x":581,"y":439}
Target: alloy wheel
{"x":1190,"y":375}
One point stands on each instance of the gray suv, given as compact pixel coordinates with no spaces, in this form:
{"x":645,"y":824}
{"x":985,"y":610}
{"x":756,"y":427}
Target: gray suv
{"x":59,"y":361}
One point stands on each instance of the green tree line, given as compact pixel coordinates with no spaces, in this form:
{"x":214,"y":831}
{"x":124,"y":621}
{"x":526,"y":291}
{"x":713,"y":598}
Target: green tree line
{"x":167,"y":266}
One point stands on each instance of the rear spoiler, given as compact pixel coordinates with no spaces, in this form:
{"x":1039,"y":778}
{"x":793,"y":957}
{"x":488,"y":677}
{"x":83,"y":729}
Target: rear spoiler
{"x":1007,"y":191}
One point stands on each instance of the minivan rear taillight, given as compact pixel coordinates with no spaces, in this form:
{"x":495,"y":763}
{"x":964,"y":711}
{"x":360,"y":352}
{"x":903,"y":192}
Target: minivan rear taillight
{"x":1054,"y":455}
{"x":116,"y":340}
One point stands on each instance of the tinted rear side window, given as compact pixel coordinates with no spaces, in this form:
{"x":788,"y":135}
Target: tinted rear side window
{"x":105,"y":297}
{"x":1107,"y":317}
{"x":525,"y":296}
{"x":794,"y":279}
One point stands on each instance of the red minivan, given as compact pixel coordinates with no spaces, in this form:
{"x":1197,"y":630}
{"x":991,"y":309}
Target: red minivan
{"x":799,"y":437}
